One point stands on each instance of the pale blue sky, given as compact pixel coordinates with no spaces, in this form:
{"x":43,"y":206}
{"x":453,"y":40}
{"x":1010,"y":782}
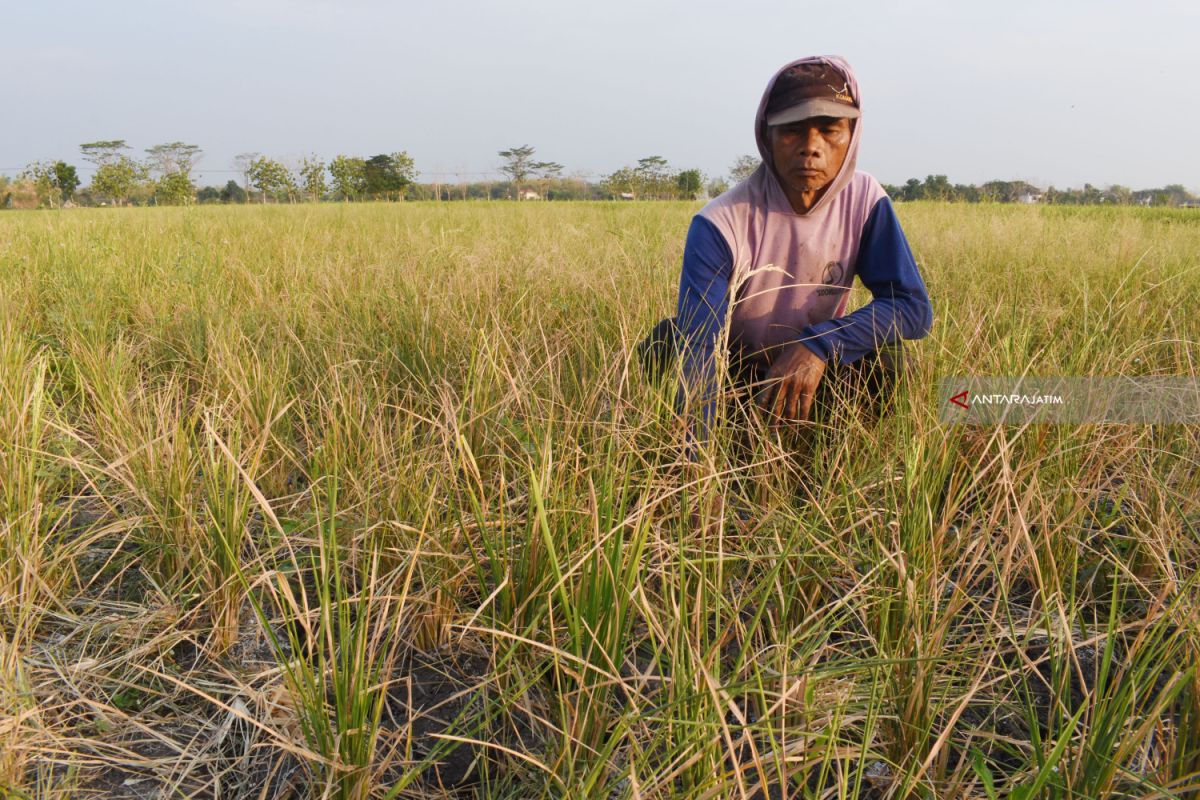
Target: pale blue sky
{"x":1050,"y":92}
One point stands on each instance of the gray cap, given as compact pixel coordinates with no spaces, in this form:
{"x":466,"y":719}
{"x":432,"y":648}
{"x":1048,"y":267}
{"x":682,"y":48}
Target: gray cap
{"x":816,"y":107}
{"x":810,"y":90}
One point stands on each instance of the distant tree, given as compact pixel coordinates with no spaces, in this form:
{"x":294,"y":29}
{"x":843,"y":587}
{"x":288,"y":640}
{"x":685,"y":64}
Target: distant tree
{"x":66,"y":180}
{"x":1177,"y":195}
{"x":272,"y":179}
{"x":405,"y":166}
{"x":117,"y":174}
{"x":965,"y":193}
{"x":54,"y":182}
{"x":40,"y":175}
{"x":173,"y":157}
{"x":349,"y":176}
{"x":717,"y":186}
{"x":913,"y":189}
{"x":103,"y":152}
{"x":1142,"y":197}
{"x":312,"y":173}
{"x":1021,"y":188}
{"x":622,"y":182}
{"x":209,"y":194}
{"x":233,"y":193}
{"x":117,"y":178}
{"x":573,"y":187}
{"x":174,"y":189}
{"x":518,"y":164}
{"x":743,"y":168}
{"x":1121,"y":195}
{"x":689,"y":183}
{"x":380,"y":176}
{"x":173,"y":163}
{"x":994,"y":191}
{"x":653,"y":176}
{"x":547,"y":172}
{"x":936,"y":187}
{"x":388,"y":175}
{"x":243,"y":161}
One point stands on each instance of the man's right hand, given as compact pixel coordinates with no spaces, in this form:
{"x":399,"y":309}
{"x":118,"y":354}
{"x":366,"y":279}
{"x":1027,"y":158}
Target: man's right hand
{"x":792,"y":383}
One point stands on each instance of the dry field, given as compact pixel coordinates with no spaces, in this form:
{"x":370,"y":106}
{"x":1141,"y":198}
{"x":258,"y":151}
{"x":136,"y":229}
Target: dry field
{"x":373,"y":501}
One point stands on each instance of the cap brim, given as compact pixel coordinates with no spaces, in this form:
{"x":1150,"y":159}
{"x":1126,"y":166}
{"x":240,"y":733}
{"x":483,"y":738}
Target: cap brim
{"x":817,"y":107}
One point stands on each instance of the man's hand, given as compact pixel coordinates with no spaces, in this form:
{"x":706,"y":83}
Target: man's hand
{"x":792,"y":383}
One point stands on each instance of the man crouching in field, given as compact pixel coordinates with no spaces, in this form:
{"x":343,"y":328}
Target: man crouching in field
{"x":784,"y":246}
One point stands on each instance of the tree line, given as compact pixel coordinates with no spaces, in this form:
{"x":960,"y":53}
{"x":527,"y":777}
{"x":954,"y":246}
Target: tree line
{"x":164,"y":176}
{"x":938,"y":187}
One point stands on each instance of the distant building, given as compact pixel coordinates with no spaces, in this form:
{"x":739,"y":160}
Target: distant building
{"x":529,"y":194}
{"x":1029,"y":198}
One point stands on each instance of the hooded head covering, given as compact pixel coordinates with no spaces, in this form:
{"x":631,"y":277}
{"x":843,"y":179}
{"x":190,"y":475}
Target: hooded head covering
{"x":792,"y":270}
{"x":764,"y":143}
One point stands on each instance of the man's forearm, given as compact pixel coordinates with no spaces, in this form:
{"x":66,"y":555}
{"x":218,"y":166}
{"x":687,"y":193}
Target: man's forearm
{"x":846,"y":339}
{"x":900,"y":308}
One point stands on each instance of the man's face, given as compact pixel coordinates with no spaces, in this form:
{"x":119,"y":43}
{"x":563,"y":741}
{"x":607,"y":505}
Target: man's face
{"x":808,"y":154}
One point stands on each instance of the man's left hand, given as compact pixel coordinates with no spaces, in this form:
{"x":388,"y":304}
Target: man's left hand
{"x":792,"y":383}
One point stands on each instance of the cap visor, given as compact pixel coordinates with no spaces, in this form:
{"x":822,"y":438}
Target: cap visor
{"x":817,"y":107}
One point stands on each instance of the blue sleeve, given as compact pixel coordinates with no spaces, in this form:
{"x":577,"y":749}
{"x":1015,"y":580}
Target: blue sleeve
{"x":900,"y":306}
{"x":703,"y":302}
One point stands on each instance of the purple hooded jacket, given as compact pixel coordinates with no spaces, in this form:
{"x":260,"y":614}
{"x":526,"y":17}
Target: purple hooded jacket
{"x":789,"y":275}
